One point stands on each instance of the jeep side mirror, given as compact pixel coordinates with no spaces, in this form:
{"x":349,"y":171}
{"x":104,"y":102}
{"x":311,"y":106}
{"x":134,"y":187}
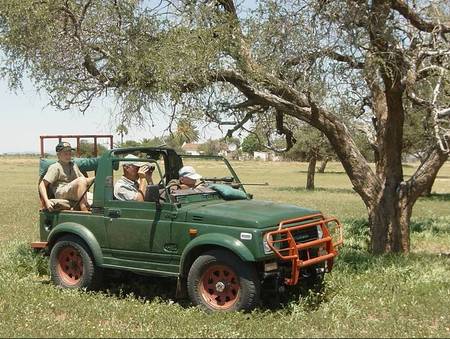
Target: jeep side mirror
{"x":152,"y":194}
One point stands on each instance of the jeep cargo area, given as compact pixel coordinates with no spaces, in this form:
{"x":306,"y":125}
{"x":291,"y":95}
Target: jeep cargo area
{"x":223,"y":246}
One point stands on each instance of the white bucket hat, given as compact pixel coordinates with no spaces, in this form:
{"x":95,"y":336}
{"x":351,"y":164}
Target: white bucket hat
{"x":189,"y":172}
{"x":135,"y":163}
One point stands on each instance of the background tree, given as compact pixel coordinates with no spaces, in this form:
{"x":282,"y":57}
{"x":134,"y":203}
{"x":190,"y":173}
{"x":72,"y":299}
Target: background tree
{"x":130,"y":143}
{"x":302,"y":60}
{"x":186,"y":132}
{"x":312,"y":146}
{"x":122,"y":130}
{"x":213,"y":147}
{"x":153,"y":142}
{"x":251,"y":144}
{"x":87,"y":149}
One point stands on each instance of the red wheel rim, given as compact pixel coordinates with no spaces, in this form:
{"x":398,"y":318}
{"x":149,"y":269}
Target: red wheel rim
{"x":219,"y":287}
{"x":70,"y":265}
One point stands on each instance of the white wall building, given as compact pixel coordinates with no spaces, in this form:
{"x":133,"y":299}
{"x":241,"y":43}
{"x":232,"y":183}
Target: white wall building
{"x":191,"y":148}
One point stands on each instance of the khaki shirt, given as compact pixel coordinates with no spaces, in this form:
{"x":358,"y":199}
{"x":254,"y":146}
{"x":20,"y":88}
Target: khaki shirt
{"x":59,"y":174}
{"x":126,"y":189}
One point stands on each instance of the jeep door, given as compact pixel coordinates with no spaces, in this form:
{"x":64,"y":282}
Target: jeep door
{"x":138,"y":233}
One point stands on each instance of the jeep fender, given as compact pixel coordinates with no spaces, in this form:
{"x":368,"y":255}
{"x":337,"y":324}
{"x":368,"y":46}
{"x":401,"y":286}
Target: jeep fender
{"x":215,"y":239}
{"x":83,"y":233}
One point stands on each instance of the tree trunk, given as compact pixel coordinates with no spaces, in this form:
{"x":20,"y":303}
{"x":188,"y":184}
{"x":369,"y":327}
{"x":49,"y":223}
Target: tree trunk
{"x":387,"y":196}
{"x":389,"y":223}
{"x":323,"y":165}
{"x":311,"y":172}
{"x":427,"y":191}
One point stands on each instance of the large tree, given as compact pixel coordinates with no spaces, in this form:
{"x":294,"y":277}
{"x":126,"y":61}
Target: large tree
{"x":290,"y":60}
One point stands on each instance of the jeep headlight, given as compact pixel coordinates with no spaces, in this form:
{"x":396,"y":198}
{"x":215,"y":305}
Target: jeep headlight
{"x":319,"y":232}
{"x":267,"y":249}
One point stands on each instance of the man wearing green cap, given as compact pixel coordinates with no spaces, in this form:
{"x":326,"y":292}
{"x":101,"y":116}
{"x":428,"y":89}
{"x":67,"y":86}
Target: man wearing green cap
{"x":65,"y":179}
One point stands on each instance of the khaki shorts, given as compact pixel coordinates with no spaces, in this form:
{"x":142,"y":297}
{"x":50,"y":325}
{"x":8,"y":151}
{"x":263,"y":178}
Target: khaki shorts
{"x":68,"y":192}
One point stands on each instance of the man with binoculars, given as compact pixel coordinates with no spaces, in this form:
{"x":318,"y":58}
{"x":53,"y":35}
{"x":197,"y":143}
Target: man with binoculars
{"x":136,"y":176}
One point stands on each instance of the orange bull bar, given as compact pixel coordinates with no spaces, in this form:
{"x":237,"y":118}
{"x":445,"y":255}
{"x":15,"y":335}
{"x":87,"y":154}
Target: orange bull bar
{"x":283,"y":244}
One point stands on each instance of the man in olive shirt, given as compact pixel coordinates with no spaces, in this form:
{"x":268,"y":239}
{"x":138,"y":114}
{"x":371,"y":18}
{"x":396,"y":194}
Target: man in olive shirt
{"x":65,"y":179}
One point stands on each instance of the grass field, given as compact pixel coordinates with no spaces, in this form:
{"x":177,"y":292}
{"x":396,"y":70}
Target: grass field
{"x":365,"y":295}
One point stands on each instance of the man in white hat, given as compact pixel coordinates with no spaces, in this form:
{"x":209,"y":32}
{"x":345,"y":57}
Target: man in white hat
{"x":187,"y":178}
{"x":136,"y":176}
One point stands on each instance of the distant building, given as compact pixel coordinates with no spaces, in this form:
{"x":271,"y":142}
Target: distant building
{"x":191,"y":148}
{"x":266,"y":156}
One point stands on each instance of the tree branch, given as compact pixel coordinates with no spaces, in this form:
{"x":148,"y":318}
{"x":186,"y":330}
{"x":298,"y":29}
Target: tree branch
{"x":282,"y":129}
{"x":409,"y":14}
{"x":353,"y":63}
{"x":428,"y":71}
{"x":445,"y":113}
{"x":239,"y":124}
{"x":229,"y":7}
{"x":426,"y":172}
{"x":418,"y":101}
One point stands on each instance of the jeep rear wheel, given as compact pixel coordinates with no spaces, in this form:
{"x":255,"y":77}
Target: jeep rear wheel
{"x":220,"y":281}
{"x":72,"y":264}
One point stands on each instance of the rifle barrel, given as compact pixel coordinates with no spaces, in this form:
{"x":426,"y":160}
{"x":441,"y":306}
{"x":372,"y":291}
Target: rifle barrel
{"x":230,"y":181}
{"x":252,"y":184}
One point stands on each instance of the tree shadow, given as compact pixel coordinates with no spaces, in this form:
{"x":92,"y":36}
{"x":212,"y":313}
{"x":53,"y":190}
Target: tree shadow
{"x":437,"y":197}
{"x":317,"y":189}
{"x":324,"y":173}
{"x":431,"y":225}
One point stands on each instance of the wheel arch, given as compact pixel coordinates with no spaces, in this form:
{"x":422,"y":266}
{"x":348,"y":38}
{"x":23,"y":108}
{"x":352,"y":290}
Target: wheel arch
{"x":209,"y":242}
{"x":72,"y":228}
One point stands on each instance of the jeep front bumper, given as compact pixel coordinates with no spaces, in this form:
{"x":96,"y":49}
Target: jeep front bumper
{"x":283,"y":243}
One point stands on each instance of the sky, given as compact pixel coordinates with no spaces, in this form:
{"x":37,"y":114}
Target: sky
{"x":26,"y":115}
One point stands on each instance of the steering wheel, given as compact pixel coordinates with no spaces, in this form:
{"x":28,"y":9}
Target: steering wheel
{"x":173,"y":184}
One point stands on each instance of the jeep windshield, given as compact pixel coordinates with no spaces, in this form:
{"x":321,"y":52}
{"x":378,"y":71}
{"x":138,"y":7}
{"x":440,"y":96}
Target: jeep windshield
{"x":214,"y":170}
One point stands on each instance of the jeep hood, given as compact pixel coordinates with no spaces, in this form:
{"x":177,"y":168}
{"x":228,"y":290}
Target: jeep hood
{"x":244,"y":213}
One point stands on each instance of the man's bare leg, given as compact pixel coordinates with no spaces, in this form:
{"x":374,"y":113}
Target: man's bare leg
{"x":81,"y":187}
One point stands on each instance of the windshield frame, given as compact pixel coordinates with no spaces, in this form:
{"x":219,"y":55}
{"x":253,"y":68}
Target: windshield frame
{"x":217,"y":158}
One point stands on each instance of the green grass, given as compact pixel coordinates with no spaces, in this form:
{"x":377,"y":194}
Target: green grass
{"x":364,"y":296}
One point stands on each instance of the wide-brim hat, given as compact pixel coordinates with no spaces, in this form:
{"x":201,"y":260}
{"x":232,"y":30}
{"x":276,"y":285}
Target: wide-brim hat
{"x":64,"y":146}
{"x":189,"y":172}
{"x":134,"y":163}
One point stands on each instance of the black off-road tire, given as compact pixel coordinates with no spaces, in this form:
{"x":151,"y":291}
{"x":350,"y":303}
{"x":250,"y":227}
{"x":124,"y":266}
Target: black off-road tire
{"x":218,"y":270}
{"x":72,"y":264}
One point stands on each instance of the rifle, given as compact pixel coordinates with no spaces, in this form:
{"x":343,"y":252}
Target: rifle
{"x":229,"y":180}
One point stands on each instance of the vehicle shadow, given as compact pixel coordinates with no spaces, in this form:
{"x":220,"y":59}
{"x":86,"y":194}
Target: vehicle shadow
{"x":122,"y":284}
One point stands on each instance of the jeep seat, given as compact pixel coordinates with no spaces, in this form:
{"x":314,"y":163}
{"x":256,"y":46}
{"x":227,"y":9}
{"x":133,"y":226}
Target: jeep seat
{"x":84,"y":164}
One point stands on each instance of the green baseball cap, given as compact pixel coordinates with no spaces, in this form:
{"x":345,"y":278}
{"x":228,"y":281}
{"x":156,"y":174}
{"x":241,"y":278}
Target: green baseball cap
{"x":64,"y":146}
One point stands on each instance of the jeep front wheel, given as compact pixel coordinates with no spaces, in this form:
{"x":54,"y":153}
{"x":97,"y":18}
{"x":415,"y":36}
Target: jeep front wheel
{"x":72,"y":264}
{"x":220,"y":281}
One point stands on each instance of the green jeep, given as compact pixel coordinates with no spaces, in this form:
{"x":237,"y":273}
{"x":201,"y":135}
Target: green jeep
{"x":224,"y":247}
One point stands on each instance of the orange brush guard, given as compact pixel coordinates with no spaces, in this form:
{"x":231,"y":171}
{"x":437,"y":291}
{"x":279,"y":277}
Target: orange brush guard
{"x":282,"y":242}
